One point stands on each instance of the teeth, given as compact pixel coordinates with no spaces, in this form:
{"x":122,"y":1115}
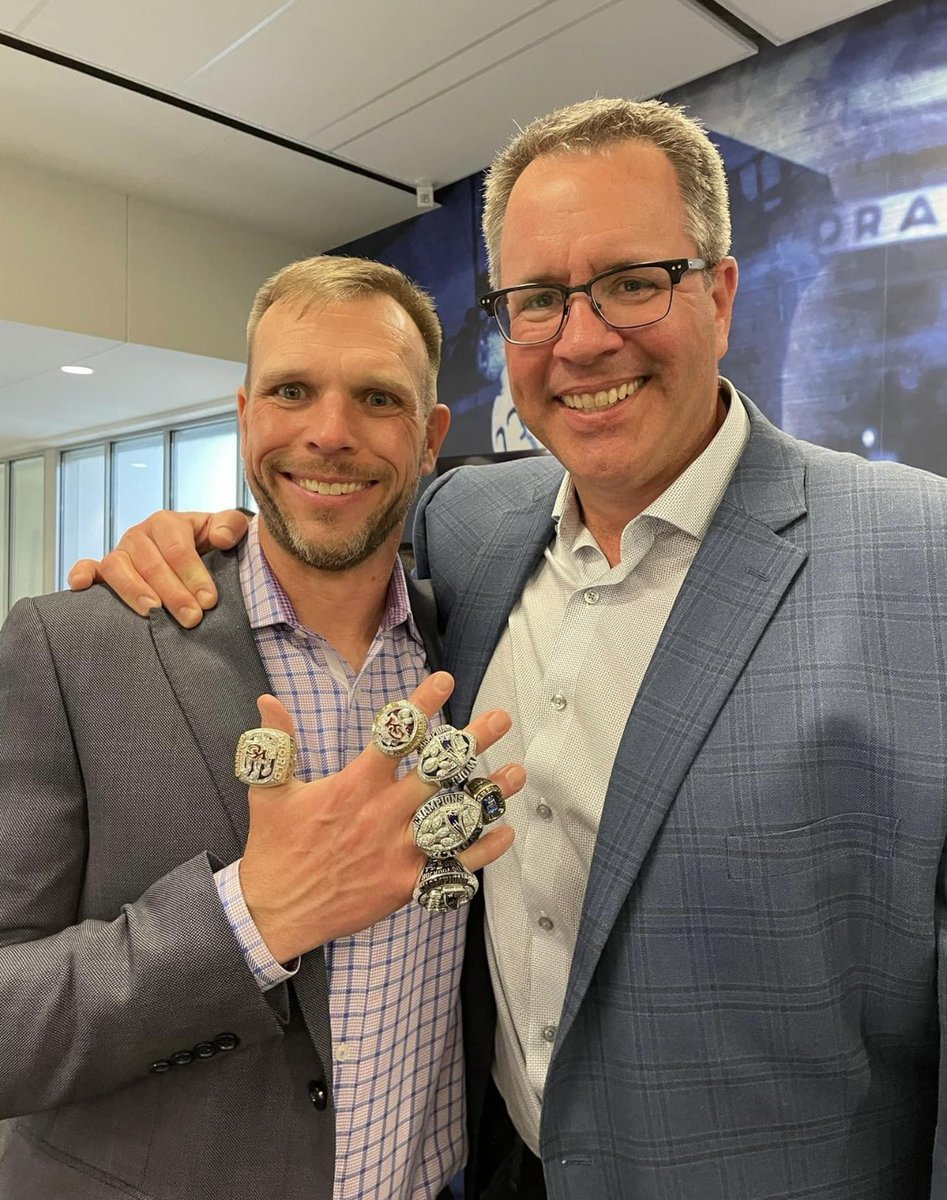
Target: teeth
{"x":603,"y":399}
{"x":331,"y":489}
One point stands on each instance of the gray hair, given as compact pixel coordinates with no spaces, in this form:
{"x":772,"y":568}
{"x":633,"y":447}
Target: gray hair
{"x":593,"y":125}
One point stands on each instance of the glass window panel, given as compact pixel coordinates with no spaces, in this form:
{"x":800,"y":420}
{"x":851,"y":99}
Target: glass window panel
{"x":204,"y":467}
{"x":26,"y":528}
{"x":81,"y":507}
{"x":137,"y":481}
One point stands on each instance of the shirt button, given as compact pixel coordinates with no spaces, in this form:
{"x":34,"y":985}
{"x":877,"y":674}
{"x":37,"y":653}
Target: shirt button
{"x":591,"y":596}
{"x":544,"y":811}
{"x":558,"y":702}
{"x":549,"y":1033}
{"x":342,"y":1052}
{"x":544,"y":923}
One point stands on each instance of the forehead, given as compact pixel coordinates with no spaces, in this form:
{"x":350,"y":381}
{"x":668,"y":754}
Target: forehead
{"x":573,"y":213}
{"x":371,"y":334}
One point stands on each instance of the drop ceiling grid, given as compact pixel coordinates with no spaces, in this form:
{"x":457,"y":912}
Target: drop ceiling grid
{"x":319,"y":62}
{"x":161,"y":42}
{"x":782,"y":21}
{"x":634,"y":47}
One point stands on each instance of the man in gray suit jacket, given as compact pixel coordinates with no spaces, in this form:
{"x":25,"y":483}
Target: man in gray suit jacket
{"x":190,"y":1008}
{"x":715,"y":947}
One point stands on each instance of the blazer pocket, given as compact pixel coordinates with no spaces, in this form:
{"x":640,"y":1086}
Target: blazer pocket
{"x":810,"y":847}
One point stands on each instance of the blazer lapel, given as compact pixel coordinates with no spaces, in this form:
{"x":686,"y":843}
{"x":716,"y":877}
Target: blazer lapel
{"x":216,"y":674}
{"x":737,"y":579}
{"x":503,"y":567}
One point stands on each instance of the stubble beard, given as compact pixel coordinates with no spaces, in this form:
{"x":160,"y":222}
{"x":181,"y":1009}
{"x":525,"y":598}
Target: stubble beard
{"x":331,"y":555}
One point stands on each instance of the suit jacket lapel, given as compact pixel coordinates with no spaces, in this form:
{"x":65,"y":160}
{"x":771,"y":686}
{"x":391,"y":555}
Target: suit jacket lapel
{"x":216,"y":673}
{"x":502,"y":569}
{"x":739,"y":576}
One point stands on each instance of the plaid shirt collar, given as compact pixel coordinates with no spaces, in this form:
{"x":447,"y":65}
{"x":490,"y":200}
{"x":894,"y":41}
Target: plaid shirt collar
{"x":267,"y":603}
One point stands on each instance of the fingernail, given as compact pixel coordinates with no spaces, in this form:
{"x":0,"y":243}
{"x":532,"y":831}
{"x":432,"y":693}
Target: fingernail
{"x":442,"y":683}
{"x":205,"y":598}
{"x":146,"y":602}
{"x":189,"y":616}
{"x":498,"y":722}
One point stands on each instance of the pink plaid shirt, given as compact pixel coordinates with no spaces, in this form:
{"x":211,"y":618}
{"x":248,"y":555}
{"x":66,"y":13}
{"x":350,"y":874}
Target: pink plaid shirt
{"x":393,"y":990}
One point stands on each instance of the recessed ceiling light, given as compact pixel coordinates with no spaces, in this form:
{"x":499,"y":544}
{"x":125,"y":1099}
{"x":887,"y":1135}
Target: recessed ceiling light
{"x":77,"y":370}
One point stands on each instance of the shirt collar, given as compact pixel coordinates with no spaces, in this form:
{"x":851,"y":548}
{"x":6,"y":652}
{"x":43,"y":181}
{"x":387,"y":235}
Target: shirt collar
{"x":267,"y":603}
{"x":689,"y":503}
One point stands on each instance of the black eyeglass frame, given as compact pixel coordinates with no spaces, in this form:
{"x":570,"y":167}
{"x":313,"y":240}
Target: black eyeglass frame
{"x":676,"y":268}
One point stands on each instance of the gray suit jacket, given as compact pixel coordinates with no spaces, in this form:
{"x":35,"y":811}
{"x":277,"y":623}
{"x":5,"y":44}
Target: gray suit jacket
{"x":755,"y":1001}
{"x":117,"y":803}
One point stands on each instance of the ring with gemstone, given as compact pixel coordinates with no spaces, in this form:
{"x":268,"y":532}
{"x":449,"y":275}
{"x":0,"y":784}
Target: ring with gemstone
{"x":399,"y":728}
{"x":447,"y":824}
{"x":448,"y":756}
{"x":265,"y":757}
{"x":489,"y":797}
{"x":445,"y":885}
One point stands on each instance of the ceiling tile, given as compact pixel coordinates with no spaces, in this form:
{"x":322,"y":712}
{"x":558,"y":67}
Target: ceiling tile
{"x":320,"y":61}
{"x":157,"y":43}
{"x":638,"y":48}
{"x":784,"y":22}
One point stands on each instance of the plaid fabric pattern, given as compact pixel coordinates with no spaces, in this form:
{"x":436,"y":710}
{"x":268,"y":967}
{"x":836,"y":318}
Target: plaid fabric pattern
{"x":397,"y":1053}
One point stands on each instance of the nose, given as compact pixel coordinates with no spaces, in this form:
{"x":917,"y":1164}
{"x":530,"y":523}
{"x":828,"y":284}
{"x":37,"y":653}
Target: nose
{"x":585,"y":335}
{"x":330,"y":424}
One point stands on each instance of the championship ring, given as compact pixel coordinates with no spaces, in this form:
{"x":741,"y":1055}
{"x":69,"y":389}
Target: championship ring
{"x":265,"y":757}
{"x":445,"y":885}
{"x":399,"y":728}
{"x":489,"y":797}
{"x":447,"y":757}
{"x":447,"y":823}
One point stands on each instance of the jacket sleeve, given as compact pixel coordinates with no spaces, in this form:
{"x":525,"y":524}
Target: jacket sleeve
{"x":88,"y":1005}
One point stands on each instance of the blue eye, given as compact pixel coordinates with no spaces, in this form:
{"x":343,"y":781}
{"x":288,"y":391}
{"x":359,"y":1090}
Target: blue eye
{"x":379,"y":400}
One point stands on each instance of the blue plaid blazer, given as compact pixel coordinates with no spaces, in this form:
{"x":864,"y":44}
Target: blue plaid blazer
{"x":754,"y":1005}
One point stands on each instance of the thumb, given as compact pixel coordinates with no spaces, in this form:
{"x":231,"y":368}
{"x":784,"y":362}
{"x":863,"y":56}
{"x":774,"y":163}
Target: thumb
{"x":274,"y":716}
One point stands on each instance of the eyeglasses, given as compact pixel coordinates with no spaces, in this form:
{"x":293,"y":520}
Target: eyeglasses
{"x":624,"y":297}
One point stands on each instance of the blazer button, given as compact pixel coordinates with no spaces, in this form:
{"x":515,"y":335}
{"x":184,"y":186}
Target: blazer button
{"x":182,"y":1057}
{"x":159,"y":1067}
{"x":226,"y":1041}
{"x":205,"y":1050}
{"x":318,"y":1093}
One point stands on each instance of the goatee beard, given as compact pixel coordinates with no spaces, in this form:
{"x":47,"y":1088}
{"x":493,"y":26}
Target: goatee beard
{"x":326,"y":556}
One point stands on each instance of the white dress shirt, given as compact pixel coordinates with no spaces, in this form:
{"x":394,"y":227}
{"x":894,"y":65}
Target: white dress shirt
{"x":568,"y":668}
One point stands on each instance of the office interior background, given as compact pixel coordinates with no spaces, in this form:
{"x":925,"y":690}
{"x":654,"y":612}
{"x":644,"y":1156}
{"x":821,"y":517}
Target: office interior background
{"x":158,"y":161}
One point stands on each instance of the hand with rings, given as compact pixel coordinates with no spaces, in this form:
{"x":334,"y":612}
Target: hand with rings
{"x":331,"y":857}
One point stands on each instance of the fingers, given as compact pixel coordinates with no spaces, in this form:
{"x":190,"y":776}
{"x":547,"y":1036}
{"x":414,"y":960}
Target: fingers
{"x":429,"y":696}
{"x":487,"y":848}
{"x":173,"y":564}
{"x":82,"y":574}
{"x":225,"y":529}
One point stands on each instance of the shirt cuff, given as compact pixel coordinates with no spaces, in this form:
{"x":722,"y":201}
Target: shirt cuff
{"x":266,"y":970}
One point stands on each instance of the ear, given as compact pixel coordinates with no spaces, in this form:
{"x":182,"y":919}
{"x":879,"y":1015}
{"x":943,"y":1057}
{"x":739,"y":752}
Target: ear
{"x":438,"y":423}
{"x":241,"y":411}
{"x":723,"y":292}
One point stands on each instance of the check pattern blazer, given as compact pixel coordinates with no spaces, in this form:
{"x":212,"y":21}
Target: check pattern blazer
{"x":755,"y":1003}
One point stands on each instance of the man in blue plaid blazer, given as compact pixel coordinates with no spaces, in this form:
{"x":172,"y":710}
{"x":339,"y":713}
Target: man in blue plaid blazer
{"x":715,"y":944}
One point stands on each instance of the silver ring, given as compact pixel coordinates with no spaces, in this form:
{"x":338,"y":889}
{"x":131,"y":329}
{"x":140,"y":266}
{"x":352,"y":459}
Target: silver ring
{"x":399,"y":728}
{"x":447,"y":823}
{"x":447,"y":757}
{"x":445,"y":885}
{"x":265,"y":757}
{"x":489,"y":797}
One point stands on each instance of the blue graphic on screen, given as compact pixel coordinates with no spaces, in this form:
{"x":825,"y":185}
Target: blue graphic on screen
{"x":836,"y":155}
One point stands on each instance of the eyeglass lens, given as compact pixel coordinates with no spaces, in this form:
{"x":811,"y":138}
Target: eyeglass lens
{"x":624,"y":298}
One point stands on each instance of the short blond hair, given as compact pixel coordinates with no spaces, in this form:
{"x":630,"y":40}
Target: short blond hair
{"x":328,"y":278}
{"x":594,"y":125}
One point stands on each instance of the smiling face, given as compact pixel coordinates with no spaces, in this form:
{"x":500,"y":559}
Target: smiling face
{"x":335,"y":428}
{"x":624,"y":410}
